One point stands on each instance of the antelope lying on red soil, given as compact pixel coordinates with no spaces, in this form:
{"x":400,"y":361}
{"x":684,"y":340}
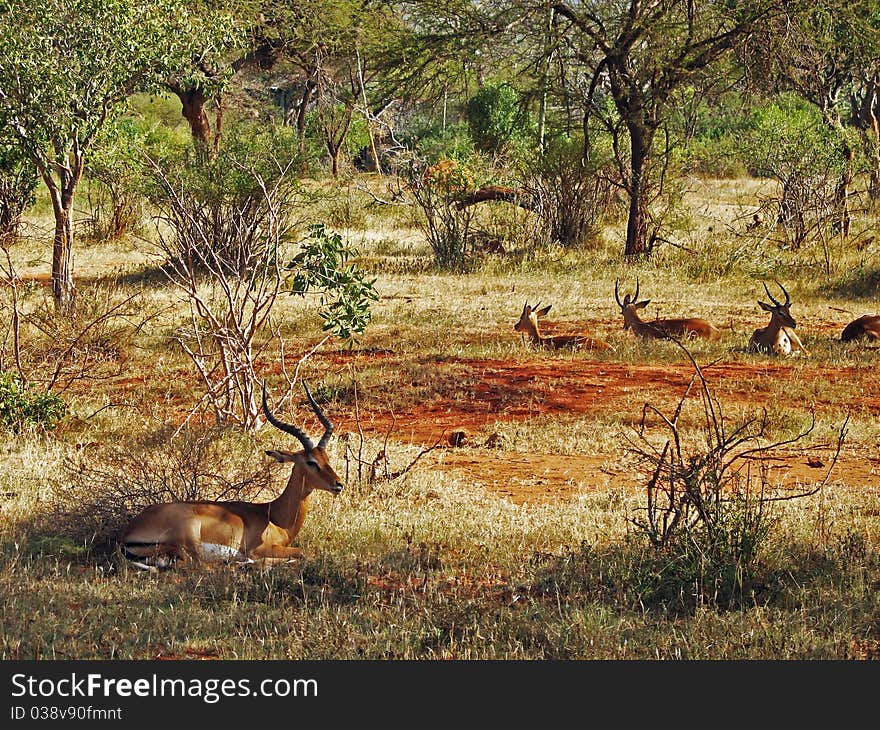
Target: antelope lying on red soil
{"x":236,"y":531}
{"x":866,"y":327}
{"x":528,"y":323}
{"x":778,"y":337}
{"x":687,"y":327}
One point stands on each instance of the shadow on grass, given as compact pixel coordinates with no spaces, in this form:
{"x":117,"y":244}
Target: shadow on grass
{"x":862,"y":283}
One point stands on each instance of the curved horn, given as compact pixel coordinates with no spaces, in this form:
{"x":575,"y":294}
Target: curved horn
{"x":325,"y":422}
{"x":286,"y":427}
{"x":772,"y":298}
{"x":787,"y":298}
{"x":616,"y":293}
{"x":636,"y":295}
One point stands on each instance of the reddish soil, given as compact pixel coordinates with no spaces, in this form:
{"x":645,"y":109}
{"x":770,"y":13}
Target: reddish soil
{"x":503,"y":391}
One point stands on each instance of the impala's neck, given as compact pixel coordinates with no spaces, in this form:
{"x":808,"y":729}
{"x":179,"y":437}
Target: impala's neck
{"x":776,"y":323}
{"x":631,"y":317}
{"x":288,"y":509}
{"x":531,"y":327}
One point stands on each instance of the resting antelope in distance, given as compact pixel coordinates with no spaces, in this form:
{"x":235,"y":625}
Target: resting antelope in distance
{"x":688,"y":327}
{"x":778,"y":337}
{"x":865,"y":327}
{"x":528,"y":323}
{"x":237,"y":531}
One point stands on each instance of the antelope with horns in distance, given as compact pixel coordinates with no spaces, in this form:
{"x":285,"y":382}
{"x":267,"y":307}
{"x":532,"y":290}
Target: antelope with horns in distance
{"x":778,"y":337}
{"x":866,"y":327}
{"x":528,"y":323}
{"x":687,"y":327}
{"x":237,"y":531}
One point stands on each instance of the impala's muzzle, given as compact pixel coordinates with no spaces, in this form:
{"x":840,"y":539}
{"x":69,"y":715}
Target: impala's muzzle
{"x":337,"y":488}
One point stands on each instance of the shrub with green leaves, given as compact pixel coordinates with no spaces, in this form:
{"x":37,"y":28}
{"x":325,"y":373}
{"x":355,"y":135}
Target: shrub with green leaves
{"x":20,"y":405}
{"x":497,"y":118}
{"x":324,"y":264}
{"x":18,"y":181}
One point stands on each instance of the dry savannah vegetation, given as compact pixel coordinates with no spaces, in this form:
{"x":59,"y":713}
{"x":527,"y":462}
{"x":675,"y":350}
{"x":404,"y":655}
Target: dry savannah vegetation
{"x":367,"y":197}
{"x":514,"y":543}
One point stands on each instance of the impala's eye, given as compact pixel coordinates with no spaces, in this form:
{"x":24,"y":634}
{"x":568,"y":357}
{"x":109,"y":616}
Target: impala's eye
{"x":312,"y":463}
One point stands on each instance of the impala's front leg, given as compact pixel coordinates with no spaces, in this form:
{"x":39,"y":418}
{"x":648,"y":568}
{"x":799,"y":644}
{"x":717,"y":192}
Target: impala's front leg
{"x":796,"y":343}
{"x":271,"y":554}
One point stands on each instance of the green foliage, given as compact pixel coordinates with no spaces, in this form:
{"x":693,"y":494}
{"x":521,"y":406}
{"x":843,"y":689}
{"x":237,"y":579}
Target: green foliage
{"x":714,"y":140}
{"x":434,"y":143}
{"x":20,"y":405}
{"x":65,"y":65}
{"x":788,"y":137}
{"x":18,"y":181}
{"x":324,"y":264}
{"x":497,"y":118}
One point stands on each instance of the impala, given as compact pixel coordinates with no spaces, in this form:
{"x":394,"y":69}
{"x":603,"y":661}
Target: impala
{"x":237,"y":531}
{"x":778,"y":337}
{"x":865,"y":327}
{"x":688,"y":327}
{"x":528,"y":323}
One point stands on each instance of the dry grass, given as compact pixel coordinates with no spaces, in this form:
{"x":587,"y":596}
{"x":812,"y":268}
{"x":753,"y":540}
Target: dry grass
{"x":436,"y":564}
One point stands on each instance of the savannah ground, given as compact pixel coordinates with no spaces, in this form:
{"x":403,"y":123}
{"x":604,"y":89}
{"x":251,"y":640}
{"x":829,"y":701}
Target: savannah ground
{"x":514,"y":543}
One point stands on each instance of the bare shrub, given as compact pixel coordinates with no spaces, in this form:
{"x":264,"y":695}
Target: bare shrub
{"x":222,"y":250}
{"x":571,"y":195}
{"x":438,"y":190}
{"x":709,"y":506}
{"x":55,"y":349}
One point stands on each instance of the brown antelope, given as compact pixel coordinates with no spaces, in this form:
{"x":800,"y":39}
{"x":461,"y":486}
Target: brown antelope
{"x":778,"y":337}
{"x":865,"y":327}
{"x":528,"y":323}
{"x":237,"y":531}
{"x":687,"y":327}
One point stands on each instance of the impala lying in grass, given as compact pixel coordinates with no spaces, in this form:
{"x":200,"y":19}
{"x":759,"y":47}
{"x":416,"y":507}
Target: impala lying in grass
{"x":778,"y":337}
{"x":687,"y":327}
{"x":237,"y":531}
{"x":866,"y":327}
{"x":528,"y":323}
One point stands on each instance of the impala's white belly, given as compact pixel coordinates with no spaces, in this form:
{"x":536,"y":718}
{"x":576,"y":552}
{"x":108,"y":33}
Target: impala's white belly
{"x":213,"y":553}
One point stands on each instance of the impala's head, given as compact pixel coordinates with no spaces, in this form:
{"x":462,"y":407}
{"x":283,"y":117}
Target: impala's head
{"x":528,"y":320}
{"x":312,"y":460}
{"x":629,"y":305}
{"x":777,"y":309}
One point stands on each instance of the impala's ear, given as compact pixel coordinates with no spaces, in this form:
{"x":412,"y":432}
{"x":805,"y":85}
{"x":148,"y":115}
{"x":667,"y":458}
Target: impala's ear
{"x":541,"y":312}
{"x":281,"y":457}
{"x":766,"y":307}
{"x":642,"y":304}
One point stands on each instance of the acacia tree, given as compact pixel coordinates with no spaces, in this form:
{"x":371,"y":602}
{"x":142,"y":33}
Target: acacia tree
{"x":638,"y":54}
{"x":66,"y":67}
{"x":829,"y":55}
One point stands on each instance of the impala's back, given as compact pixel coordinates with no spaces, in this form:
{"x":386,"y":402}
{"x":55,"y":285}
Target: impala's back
{"x":866,"y":327}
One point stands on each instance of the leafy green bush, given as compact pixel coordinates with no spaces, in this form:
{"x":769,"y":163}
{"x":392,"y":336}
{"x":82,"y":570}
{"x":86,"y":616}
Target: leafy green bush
{"x":19,"y":405}
{"x":325,"y":264}
{"x":435,"y":143}
{"x":498,"y":119}
{"x":18,"y":181}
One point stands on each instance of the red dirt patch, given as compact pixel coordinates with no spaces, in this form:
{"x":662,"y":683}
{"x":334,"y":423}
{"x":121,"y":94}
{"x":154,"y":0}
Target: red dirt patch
{"x":503,"y":391}
{"x":509,"y":391}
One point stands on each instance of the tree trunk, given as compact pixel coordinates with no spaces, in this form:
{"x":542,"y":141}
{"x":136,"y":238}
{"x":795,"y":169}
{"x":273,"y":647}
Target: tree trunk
{"x":301,"y":113}
{"x":637,"y":242}
{"x":61,"y":193}
{"x":841,"y":190}
{"x":335,"y":154}
{"x":192,"y":101}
